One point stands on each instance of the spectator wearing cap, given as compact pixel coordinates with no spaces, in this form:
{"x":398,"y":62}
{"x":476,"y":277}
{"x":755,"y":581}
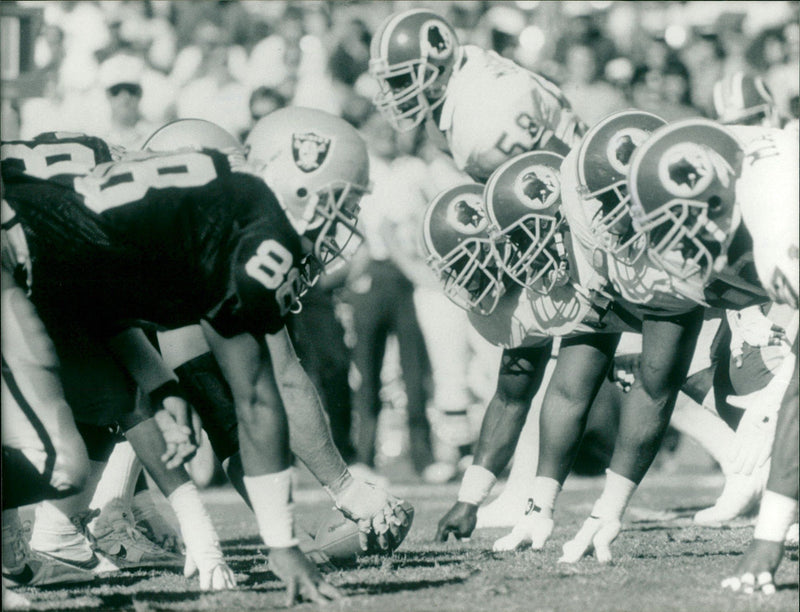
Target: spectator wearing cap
{"x":121,"y":76}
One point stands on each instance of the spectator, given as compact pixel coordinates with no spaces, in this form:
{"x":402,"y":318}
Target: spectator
{"x":263,"y":101}
{"x":590,"y":96}
{"x":120,"y":76}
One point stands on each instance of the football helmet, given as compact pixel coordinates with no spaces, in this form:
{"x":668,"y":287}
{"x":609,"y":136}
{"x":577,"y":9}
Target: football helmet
{"x":412,"y":56}
{"x":317,"y":165}
{"x":455,"y":236}
{"x":744,"y":99}
{"x":603,"y":159}
{"x":193,"y":133}
{"x":522,"y":199}
{"x":683,"y":193}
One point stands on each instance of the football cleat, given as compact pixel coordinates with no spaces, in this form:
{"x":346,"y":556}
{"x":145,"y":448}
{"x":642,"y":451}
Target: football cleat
{"x":117,"y":536}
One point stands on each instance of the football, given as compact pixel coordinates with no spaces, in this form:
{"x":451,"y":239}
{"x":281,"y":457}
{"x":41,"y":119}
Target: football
{"x":337,"y":538}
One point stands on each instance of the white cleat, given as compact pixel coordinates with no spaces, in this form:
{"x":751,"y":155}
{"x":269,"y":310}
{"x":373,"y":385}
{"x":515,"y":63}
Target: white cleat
{"x":505,"y":511}
{"x":117,"y":536}
{"x":739,"y":498}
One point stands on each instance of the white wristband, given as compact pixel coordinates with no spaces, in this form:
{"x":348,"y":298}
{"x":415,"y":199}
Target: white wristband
{"x":271,"y":496}
{"x":776,"y":514}
{"x":476,"y":485}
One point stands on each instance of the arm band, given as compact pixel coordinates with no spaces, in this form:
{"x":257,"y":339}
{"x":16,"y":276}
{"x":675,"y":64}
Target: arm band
{"x":476,"y":485}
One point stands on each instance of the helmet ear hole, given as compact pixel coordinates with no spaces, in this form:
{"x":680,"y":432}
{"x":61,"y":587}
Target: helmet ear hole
{"x":714,"y":203}
{"x":302,"y":192}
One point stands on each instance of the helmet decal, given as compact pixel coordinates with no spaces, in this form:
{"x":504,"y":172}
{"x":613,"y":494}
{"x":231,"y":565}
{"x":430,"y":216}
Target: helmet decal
{"x":687,"y":169}
{"x":622,"y":145}
{"x":309,"y":150}
{"x":436,"y":40}
{"x":538,"y":187}
{"x":466,"y":217}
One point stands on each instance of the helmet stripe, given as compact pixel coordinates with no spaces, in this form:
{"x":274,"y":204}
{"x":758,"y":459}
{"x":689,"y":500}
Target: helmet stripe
{"x":391,"y":25}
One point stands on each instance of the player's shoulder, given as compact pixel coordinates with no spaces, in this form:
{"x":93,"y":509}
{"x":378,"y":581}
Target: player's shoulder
{"x":52,"y":154}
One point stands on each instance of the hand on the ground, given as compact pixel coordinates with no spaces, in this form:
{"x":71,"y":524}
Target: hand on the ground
{"x":533,"y":529}
{"x":596,"y":534}
{"x":302,"y":578}
{"x":216,"y":577}
{"x":460,"y":521}
{"x":755,"y":571}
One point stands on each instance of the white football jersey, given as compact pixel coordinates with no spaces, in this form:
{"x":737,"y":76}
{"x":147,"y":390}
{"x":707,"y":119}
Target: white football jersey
{"x":768,"y":198}
{"x":495,"y":110}
{"x":638,"y":283}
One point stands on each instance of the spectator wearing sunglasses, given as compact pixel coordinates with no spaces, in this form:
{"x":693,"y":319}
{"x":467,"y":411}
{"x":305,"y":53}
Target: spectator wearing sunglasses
{"x":121,"y":76}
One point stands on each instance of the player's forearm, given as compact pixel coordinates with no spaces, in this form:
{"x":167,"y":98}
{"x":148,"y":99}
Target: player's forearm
{"x":141,"y":359}
{"x":309,"y":434}
{"x":500,"y":432}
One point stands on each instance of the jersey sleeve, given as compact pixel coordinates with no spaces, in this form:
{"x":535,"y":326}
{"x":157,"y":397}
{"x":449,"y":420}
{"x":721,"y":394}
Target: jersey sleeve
{"x":56,"y":156}
{"x":264,"y":282}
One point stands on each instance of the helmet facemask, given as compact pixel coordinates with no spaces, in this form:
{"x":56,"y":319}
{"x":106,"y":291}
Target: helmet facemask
{"x":471,"y":274}
{"x":403,"y":87}
{"x":333,"y":226}
{"x":684,"y":241}
{"x":536,"y":252}
{"x":613,"y":225}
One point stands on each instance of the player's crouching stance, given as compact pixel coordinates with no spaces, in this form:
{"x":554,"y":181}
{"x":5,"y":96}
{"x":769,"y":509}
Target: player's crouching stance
{"x":183,"y":237}
{"x":692,"y":225}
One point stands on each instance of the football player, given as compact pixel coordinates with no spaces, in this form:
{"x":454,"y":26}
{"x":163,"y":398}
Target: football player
{"x":176,"y":238}
{"x":186,"y":351}
{"x":717,"y":196}
{"x":488,"y":108}
{"x":556,"y":293}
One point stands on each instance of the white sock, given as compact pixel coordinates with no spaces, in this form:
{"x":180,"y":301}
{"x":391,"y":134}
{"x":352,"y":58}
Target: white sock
{"x":197,"y":530}
{"x":777,"y":513}
{"x":616,"y":494}
{"x":705,"y":427}
{"x":545,"y":492}
{"x":271,"y":498}
{"x":119,"y":477}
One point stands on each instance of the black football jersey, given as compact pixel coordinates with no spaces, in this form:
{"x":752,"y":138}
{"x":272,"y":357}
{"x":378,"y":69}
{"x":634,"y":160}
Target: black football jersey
{"x":167,"y":238}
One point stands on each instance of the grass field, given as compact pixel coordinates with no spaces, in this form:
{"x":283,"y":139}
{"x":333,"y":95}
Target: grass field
{"x":662,"y":562}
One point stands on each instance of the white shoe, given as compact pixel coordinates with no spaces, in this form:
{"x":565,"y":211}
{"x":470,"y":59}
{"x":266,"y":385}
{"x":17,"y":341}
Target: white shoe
{"x":739,"y":498}
{"x":361,"y":471}
{"x":116,"y":535}
{"x":14,"y":601}
{"x":439,"y":472}
{"x":505,"y":511}
{"x":22,"y":567}
{"x":71,"y":545}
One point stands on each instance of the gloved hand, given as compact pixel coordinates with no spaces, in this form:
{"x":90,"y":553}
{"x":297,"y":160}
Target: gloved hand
{"x":534,"y":528}
{"x":383,"y":520}
{"x":596,"y":534}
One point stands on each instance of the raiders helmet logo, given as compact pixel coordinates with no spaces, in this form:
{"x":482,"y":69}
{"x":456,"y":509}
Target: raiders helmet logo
{"x":621,"y":147}
{"x":538,"y":187}
{"x":436,"y":40}
{"x":309,"y":150}
{"x":467,"y":217}
{"x":687,"y":169}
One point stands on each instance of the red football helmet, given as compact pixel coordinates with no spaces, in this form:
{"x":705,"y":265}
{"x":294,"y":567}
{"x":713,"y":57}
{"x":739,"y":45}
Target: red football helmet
{"x":603,"y":160}
{"x":522,"y":199}
{"x":744,"y":99}
{"x":682,"y":182}
{"x":412,"y":56}
{"x":460,"y":251}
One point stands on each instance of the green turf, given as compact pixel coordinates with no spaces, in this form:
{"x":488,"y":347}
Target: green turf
{"x":662,"y":562}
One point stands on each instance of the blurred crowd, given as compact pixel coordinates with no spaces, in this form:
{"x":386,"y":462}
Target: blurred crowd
{"x":121,"y":69}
